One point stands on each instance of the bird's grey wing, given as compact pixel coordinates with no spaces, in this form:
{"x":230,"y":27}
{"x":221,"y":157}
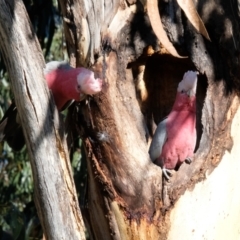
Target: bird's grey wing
{"x":159,"y":138}
{"x":54,"y":65}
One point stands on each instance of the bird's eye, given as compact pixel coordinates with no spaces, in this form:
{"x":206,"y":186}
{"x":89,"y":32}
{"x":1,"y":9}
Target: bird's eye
{"x":79,"y":87}
{"x":182,"y":91}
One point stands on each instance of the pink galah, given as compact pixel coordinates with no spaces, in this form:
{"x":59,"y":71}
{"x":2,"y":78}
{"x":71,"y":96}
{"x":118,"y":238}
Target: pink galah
{"x":67,"y":83}
{"x":175,"y":137}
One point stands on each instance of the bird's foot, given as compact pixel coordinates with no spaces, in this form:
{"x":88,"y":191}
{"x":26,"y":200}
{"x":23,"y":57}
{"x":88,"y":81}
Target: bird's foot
{"x":188,"y":160}
{"x":167,"y":173}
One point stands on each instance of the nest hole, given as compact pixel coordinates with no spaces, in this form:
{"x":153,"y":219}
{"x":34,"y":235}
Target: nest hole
{"x":160,"y":78}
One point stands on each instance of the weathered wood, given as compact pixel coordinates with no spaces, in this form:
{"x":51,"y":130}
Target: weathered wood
{"x":126,"y":198}
{"x":54,"y":189}
{"x":83,"y":21}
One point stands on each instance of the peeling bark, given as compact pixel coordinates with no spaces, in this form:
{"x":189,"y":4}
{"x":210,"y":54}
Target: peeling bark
{"x":54,"y":189}
{"x":154,"y":16}
{"x":126,"y":197}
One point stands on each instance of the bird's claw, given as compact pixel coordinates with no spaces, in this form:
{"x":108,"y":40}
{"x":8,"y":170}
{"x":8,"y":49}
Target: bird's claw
{"x":188,"y":160}
{"x":167,"y":173}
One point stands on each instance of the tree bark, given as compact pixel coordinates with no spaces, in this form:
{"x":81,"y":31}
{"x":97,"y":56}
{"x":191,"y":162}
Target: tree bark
{"x":54,"y":189}
{"x":126,"y":197}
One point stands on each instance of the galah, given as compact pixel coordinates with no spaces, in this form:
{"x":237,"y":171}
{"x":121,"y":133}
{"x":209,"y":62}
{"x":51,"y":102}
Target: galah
{"x":175,"y":137}
{"x":66,"y":84}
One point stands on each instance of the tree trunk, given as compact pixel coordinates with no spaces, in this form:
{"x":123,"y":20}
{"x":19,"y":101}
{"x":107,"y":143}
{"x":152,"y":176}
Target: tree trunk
{"x":126,"y":197}
{"x":55,"y":194}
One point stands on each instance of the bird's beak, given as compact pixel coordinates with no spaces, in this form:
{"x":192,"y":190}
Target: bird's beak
{"x":190,"y":93}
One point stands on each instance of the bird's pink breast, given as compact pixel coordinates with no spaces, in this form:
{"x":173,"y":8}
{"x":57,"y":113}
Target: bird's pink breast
{"x":181,"y":132}
{"x":63,"y":84}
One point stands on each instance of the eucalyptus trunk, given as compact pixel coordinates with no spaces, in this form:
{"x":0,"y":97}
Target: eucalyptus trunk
{"x":126,"y":195}
{"x":54,"y":189}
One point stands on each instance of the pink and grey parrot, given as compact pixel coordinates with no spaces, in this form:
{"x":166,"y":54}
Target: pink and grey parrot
{"x":175,"y":137}
{"x":66,"y":84}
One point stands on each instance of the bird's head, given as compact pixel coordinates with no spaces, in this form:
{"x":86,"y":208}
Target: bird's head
{"x":188,"y":85}
{"x":68,"y":83}
{"x":87,"y":83}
